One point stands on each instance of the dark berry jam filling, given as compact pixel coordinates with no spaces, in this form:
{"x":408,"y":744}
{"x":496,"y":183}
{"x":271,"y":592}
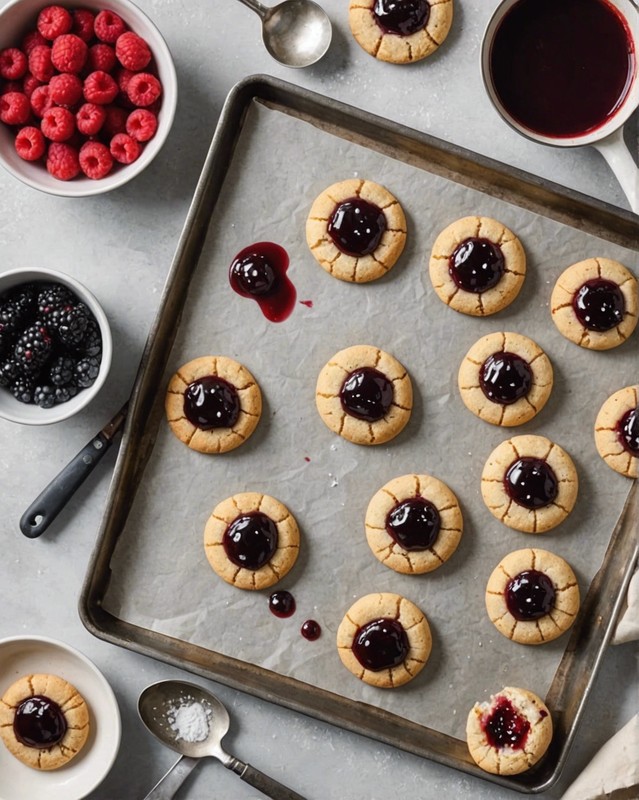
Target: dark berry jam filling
{"x":599,"y":305}
{"x":282,"y":604}
{"x":504,"y":727}
{"x":357,"y":226}
{"x":39,"y":722}
{"x":505,"y":378}
{"x":628,"y":431}
{"x":211,"y":402}
{"x":476,"y":265}
{"x":366,"y":394}
{"x":259,"y":272}
{"x":381,"y":644}
{"x":531,"y":482}
{"x":401,"y":17}
{"x":250,"y":540}
{"x":530,"y":595}
{"x":311,"y":630}
{"x":414,"y":524}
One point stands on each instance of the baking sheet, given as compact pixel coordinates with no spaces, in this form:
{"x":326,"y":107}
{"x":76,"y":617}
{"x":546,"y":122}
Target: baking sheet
{"x":160,"y":579}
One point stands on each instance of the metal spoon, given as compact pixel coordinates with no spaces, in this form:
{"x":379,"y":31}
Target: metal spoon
{"x":159,"y":707}
{"x":297,"y":33}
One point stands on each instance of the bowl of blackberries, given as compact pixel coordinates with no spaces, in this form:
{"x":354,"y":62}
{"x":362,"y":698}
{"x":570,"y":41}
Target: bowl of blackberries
{"x":55,"y":346}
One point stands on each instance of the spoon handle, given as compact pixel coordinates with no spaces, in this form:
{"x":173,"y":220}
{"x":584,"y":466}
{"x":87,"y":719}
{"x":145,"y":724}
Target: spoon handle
{"x":256,"y":6}
{"x":167,"y":787}
{"x":258,"y":780}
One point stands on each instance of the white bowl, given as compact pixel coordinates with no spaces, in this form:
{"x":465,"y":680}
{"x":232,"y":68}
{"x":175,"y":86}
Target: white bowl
{"x":24,"y":655}
{"x":16,"y":19}
{"x":29,"y":414}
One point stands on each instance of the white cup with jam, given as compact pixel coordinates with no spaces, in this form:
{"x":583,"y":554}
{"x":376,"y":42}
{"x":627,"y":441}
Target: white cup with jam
{"x":565,"y":73}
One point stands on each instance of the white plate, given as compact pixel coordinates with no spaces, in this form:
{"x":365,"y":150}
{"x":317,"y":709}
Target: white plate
{"x":23,"y":655}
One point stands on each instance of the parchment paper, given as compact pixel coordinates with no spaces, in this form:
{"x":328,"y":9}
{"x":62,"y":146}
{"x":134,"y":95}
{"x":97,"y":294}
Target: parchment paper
{"x":160,"y":577}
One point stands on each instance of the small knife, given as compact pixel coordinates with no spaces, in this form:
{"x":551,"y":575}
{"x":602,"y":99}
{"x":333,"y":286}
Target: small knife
{"x":46,"y":507}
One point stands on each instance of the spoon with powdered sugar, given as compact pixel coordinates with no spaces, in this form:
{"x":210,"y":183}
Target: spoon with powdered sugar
{"x":192,"y":721}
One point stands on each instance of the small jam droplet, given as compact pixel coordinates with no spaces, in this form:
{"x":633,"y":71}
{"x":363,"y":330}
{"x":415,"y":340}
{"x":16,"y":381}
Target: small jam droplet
{"x":505,"y":378}
{"x":504,"y":727}
{"x":311,"y":630}
{"x":366,"y":394}
{"x":599,"y":305}
{"x":307,"y":303}
{"x":381,"y":644}
{"x":282,"y":604}
{"x":531,"y":482}
{"x":211,"y":402}
{"x":476,"y":265}
{"x":250,"y":540}
{"x":356,"y":227}
{"x":259,"y":272}
{"x":401,"y":17}
{"x":39,"y":722}
{"x":628,"y":431}
{"x":414,"y":524}
{"x":530,"y":595}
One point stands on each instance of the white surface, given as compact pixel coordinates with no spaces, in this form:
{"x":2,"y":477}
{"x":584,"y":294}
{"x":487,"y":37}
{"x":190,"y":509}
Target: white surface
{"x":21,"y":656}
{"x":121,"y":245}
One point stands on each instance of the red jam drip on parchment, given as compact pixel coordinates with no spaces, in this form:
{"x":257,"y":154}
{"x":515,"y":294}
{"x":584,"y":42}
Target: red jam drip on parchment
{"x":504,"y":726}
{"x":401,"y":17}
{"x":414,"y":524}
{"x":628,"y":431}
{"x":259,"y":272}
{"x":211,"y":402}
{"x":39,"y":722}
{"x":311,"y":630}
{"x":599,"y":305}
{"x":366,"y":394}
{"x":476,"y":265}
{"x":282,"y":604}
{"x":380,"y":644}
{"x":530,"y":595}
{"x":531,"y":482}
{"x":505,"y":378}
{"x":356,"y":227}
{"x":250,"y":541}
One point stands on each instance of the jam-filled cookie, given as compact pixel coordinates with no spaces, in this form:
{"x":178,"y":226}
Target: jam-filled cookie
{"x":251,"y":540}
{"x":477,"y":266}
{"x":400,"y":32}
{"x":213,"y":404}
{"x":617,"y":431}
{"x":510,"y":733}
{"x":595,"y":303}
{"x":356,"y":230}
{"x":529,"y":483}
{"x":364,"y":394}
{"x":505,"y":379}
{"x":44,"y":721}
{"x":413,"y":524}
{"x":384,"y":640}
{"x":532,"y":596}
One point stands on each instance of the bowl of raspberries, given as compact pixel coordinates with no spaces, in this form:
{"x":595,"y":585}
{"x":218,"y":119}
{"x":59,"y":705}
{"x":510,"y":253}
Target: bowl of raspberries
{"x":87,"y":94}
{"x":55,"y":346}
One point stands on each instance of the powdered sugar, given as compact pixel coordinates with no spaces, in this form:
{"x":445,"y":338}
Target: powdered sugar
{"x":189,"y":720}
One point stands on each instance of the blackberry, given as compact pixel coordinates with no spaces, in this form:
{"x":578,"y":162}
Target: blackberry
{"x":9,"y":372}
{"x":71,"y":323}
{"x":22,"y":389}
{"x":62,"y":370}
{"x":24,"y":297}
{"x":12,"y":318}
{"x":86,"y":371}
{"x":53,"y":296}
{"x":91,"y":344}
{"x":33,"y":348}
{"x":44,"y":396}
{"x":65,"y":393}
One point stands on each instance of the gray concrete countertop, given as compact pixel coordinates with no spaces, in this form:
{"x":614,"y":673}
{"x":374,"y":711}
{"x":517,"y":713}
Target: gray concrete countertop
{"x":121,"y":246}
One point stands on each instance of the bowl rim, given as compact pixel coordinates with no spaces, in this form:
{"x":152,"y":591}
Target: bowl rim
{"x":45,"y":274}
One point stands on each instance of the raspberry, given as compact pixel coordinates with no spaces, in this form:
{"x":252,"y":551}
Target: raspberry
{"x":54,"y":21}
{"x":124,"y":149}
{"x":65,"y":89}
{"x":62,"y":161}
{"x":83,"y":24}
{"x":90,"y":118}
{"x":108,"y":26}
{"x":99,"y":87}
{"x":101,"y":56}
{"x":30,"y":84}
{"x":13,"y":63}
{"x":58,"y":124}
{"x":30,"y":144}
{"x":15,"y":108}
{"x":132,"y":51}
{"x":31,"y":40}
{"x":69,"y":53}
{"x":41,"y":100}
{"x":143,"y":89}
{"x":141,"y":125}
{"x":40,"y":65}
{"x":115,"y":121}
{"x":95,"y":162}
